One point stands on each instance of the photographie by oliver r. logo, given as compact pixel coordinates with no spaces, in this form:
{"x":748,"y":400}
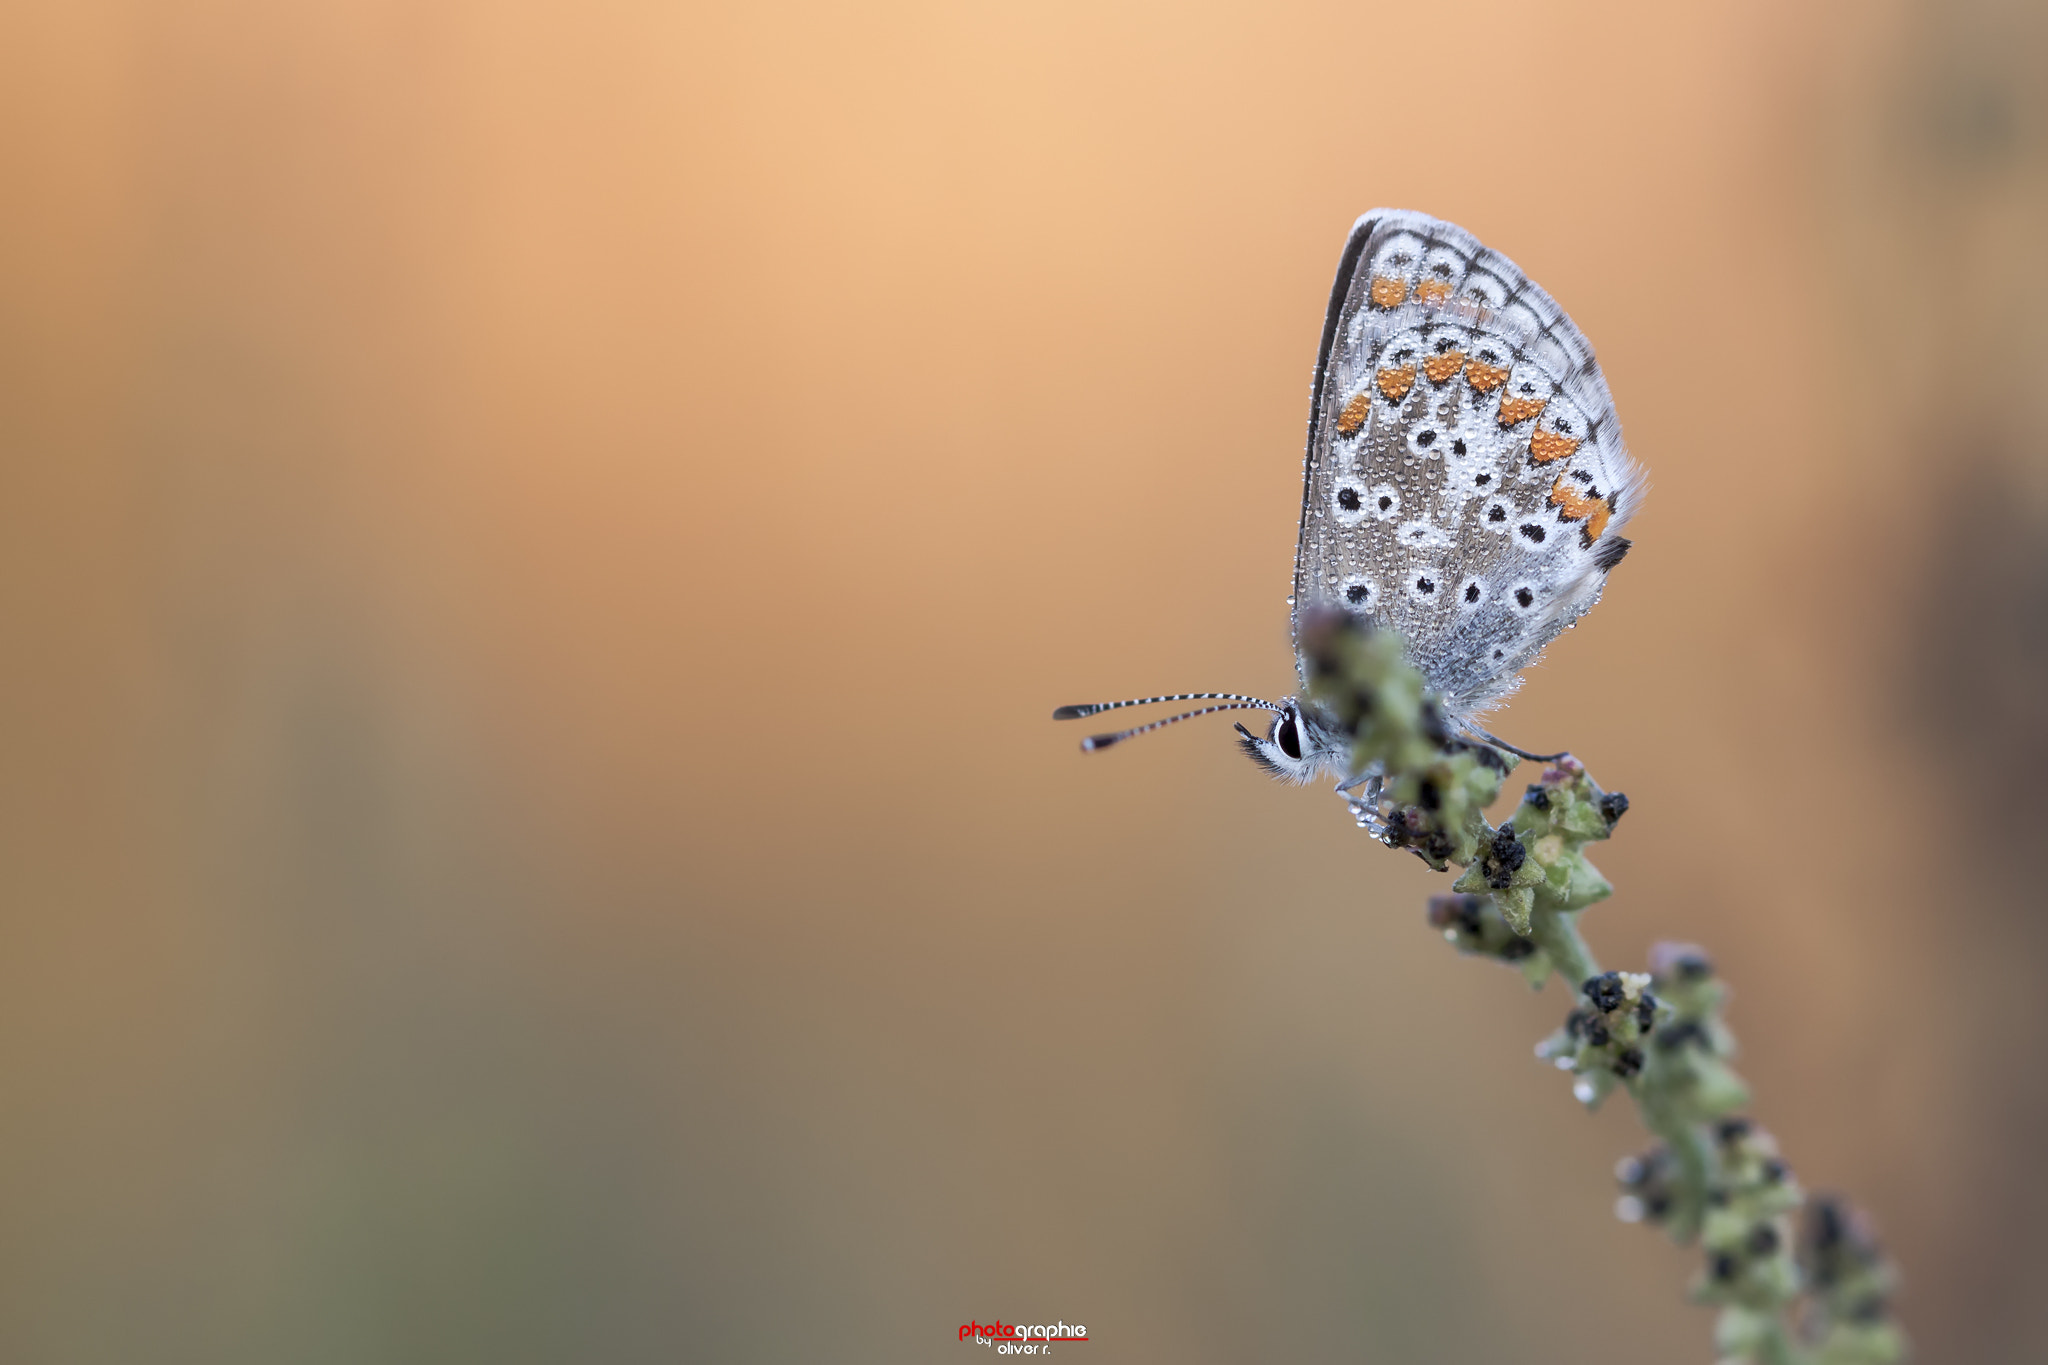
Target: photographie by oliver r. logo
{"x":1017,"y":1339}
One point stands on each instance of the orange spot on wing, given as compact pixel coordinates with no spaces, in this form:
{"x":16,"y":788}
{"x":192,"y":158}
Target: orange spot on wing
{"x":1442,"y":367}
{"x":1546,"y":446}
{"x":1433,"y":291}
{"x":1354,"y":414}
{"x":1388,"y":291}
{"x":1395,"y":382}
{"x":1484,"y":377}
{"x":1577,"y":506}
{"x":1513,"y":410}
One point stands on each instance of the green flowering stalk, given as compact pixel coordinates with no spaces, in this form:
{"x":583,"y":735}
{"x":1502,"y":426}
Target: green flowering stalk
{"x":1815,"y":1296}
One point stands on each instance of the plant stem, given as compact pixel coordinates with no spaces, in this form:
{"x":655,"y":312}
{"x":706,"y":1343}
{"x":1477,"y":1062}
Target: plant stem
{"x":1776,"y":1348}
{"x":1556,"y":932}
{"x":1716,"y":1179}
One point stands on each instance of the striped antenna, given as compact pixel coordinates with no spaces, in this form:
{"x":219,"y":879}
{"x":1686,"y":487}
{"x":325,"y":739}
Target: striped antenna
{"x":1096,"y":742}
{"x":1096,"y":708}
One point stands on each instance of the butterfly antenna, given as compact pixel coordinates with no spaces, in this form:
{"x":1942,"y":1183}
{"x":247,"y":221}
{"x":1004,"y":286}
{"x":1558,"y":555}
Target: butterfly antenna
{"x":1096,"y":708}
{"x":1095,"y":742}
{"x":1497,"y":742}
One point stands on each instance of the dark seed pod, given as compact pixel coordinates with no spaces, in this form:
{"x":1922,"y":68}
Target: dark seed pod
{"x":1504,"y":858}
{"x":1457,"y":912}
{"x":1680,"y":962}
{"x":1732,"y":1131}
{"x":1672,"y":1037}
{"x":1604,"y":991}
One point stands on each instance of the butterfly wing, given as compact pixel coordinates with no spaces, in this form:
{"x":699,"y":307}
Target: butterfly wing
{"x":1466,"y":484}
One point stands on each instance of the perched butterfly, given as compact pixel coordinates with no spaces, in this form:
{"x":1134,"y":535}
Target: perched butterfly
{"x":1465,"y":484}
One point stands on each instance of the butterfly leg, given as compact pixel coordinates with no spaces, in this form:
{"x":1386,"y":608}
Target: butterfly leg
{"x":1499,"y":743}
{"x":1365,"y":807}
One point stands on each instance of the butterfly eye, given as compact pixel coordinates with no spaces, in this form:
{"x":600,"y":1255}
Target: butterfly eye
{"x":1287,"y":736}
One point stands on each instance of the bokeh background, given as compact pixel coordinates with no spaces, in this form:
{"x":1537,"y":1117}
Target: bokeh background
{"x":540,"y":540}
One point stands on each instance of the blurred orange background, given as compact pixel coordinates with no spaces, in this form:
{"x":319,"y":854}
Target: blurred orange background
{"x":540,"y":542}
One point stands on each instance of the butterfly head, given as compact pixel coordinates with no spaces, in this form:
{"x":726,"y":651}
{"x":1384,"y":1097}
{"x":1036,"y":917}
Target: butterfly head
{"x":1298,"y":743}
{"x":1296,"y":746}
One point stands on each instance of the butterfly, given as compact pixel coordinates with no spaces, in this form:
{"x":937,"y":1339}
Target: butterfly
{"x":1465,"y":485}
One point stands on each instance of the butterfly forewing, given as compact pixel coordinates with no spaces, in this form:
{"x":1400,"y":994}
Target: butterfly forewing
{"x":1466,"y":484}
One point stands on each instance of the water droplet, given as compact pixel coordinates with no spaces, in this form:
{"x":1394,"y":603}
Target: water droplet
{"x":1582,"y":1090}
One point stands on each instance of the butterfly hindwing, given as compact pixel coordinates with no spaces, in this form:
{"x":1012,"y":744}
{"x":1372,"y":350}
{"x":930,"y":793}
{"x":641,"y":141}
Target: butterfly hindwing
{"x":1466,"y":484}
